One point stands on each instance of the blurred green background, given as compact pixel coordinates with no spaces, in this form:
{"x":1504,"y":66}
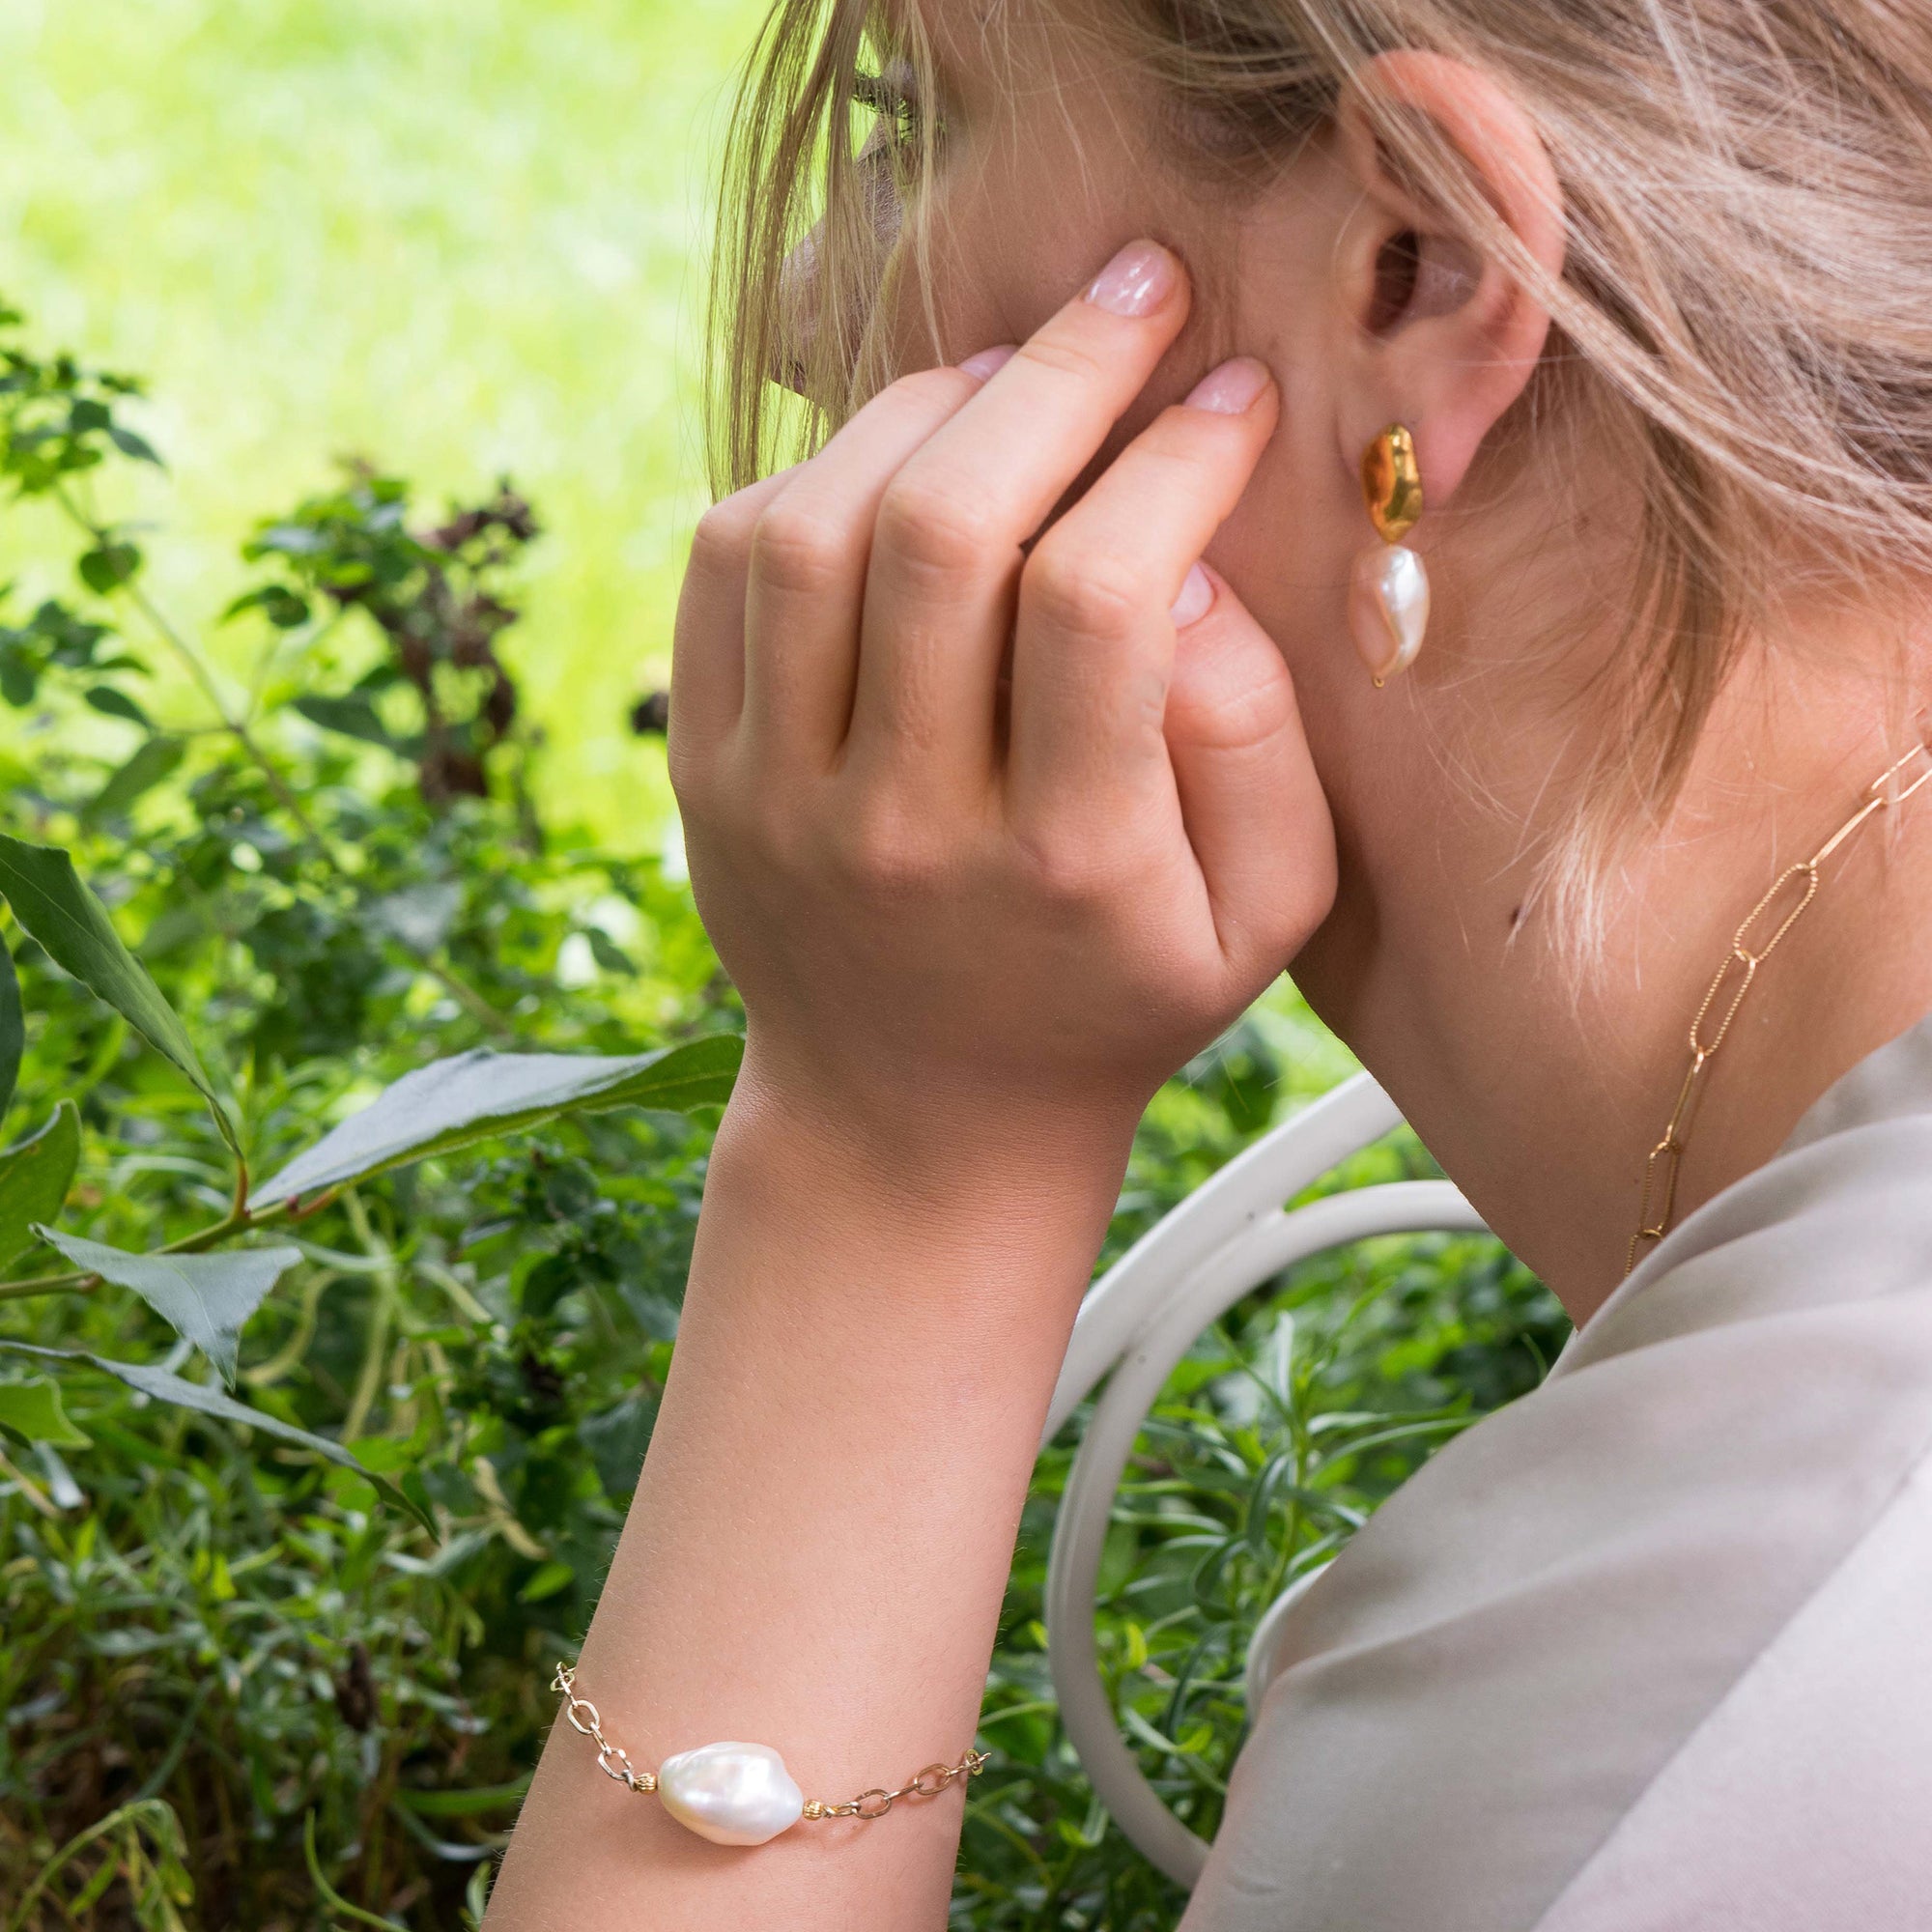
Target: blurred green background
{"x":458,"y":237}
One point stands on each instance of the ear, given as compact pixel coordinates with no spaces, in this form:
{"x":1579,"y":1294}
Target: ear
{"x":1438,"y":331}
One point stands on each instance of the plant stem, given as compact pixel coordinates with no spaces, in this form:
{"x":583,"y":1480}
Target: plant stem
{"x":331,"y":1897}
{"x":468,"y":998}
{"x":472,"y":1002}
{"x":159,"y":623}
{"x":52,"y":1284}
{"x":376,"y":1351}
{"x":30,"y":1489}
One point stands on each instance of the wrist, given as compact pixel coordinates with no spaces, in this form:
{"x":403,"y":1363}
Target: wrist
{"x":939,"y":1157}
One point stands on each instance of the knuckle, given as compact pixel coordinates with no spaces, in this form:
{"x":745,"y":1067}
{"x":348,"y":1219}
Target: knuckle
{"x":722,"y":539}
{"x":941,"y":388}
{"x":1176,"y":458}
{"x":687,"y":770}
{"x":1067,"y":867}
{"x":934,"y":528}
{"x":797,"y":549}
{"x":1232,"y":714}
{"x":1097,"y":595}
{"x":881,"y":849}
{"x":1066,"y":356}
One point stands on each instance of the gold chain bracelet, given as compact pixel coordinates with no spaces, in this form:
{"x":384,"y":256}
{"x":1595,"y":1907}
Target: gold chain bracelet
{"x":741,"y":1794}
{"x":1797,"y":885}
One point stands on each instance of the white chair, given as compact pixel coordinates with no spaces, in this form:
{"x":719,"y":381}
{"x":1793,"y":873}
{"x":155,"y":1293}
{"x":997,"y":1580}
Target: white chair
{"x":1139,"y":1320}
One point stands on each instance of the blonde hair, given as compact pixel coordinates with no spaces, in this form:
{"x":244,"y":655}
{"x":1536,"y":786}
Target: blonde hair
{"x":1745,"y":310}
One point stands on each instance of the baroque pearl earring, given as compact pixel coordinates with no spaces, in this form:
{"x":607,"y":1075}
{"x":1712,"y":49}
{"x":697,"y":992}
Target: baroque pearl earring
{"x":1389,"y":595}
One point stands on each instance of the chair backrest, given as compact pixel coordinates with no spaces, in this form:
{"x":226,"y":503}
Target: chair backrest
{"x":1138,"y":1321}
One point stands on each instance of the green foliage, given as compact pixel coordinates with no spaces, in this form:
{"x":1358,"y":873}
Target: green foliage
{"x":13,"y":1031}
{"x":445,"y":1364}
{"x":72,"y":924}
{"x":452,"y":1104}
{"x":276,"y":1657}
{"x":34,"y":1411}
{"x":35,"y":1176}
{"x":205,"y":1298}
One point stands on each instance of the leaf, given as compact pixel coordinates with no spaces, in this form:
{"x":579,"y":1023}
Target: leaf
{"x":153,"y":761}
{"x":171,"y":1388}
{"x":477,"y":1095}
{"x":49,"y":899}
{"x":137,"y":446}
{"x":12,"y":1029}
{"x":607,"y":953}
{"x":551,"y":1577}
{"x":34,"y":1180}
{"x":66,"y":1492}
{"x":107,"y":566}
{"x":19,"y":673}
{"x":112,"y":703}
{"x":617,"y":1441}
{"x":464,"y":1803}
{"x":207,"y":1298}
{"x":354,"y":715}
{"x":276,"y":601}
{"x":33,"y":1410}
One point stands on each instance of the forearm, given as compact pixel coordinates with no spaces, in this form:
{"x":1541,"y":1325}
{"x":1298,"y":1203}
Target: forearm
{"x":995,"y":938}
{"x":821,"y":1539}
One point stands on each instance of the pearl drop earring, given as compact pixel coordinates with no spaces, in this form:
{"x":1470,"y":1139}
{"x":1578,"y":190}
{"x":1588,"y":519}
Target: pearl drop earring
{"x":1389,"y":595}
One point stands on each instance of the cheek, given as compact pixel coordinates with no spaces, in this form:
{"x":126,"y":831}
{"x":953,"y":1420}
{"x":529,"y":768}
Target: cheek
{"x":1028,"y":209}
{"x":1287,"y":551}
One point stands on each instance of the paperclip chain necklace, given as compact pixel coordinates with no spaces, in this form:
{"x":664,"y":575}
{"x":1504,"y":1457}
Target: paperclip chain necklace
{"x":1794,"y":888}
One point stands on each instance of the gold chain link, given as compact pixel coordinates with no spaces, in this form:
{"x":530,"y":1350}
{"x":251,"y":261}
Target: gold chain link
{"x":1778,"y":911}
{"x":614,"y":1762}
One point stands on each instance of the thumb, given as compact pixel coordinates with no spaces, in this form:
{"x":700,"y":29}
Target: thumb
{"x":1253,"y":808}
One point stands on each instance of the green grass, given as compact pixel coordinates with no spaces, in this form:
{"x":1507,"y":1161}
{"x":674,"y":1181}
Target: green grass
{"x":459,"y":238}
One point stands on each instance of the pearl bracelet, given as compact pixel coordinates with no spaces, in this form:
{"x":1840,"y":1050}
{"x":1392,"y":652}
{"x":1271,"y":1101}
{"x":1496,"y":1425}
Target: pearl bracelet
{"x":739,"y":1794}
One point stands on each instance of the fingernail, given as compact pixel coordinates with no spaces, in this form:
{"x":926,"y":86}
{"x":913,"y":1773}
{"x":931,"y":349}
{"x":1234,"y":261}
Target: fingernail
{"x":1196,"y":599}
{"x":1232,"y":389}
{"x":1137,"y":281}
{"x":987,"y":360}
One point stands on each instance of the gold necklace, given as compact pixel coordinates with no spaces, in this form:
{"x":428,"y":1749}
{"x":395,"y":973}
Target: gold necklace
{"x":1796,"y":887}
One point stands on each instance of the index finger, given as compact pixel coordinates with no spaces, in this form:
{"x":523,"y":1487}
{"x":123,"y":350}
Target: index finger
{"x":947,"y":543}
{"x":1008,"y":456}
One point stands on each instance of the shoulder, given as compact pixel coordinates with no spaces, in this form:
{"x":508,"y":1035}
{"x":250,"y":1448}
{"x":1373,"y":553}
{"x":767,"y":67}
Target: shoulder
{"x":1800,"y":1803}
{"x":1570,"y":1608}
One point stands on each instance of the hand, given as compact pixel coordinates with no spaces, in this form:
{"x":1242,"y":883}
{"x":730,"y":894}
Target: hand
{"x":930,"y":895}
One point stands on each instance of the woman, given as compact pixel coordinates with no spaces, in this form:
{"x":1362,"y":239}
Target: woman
{"x":1001,"y":802}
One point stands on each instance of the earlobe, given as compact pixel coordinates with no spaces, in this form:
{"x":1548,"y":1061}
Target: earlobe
{"x":1445,"y":332}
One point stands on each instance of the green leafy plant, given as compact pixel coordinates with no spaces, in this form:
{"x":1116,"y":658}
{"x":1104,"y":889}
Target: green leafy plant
{"x":344,"y":911}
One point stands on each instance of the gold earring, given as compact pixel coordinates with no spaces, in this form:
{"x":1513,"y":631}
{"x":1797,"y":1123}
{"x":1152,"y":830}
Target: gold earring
{"x":1389,"y":595}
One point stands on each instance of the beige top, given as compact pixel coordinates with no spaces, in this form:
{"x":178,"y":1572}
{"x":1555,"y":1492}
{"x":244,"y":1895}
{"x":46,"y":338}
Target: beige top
{"x":1649,"y":1650}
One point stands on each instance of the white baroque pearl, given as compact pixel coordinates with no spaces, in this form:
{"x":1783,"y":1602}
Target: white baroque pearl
{"x":1388,"y":607}
{"x":733,"y":1794}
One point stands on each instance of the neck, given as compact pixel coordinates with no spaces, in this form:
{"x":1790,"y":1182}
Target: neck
{"x":1543,"y":1106}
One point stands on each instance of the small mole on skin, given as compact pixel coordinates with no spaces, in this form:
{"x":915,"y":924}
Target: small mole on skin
{"x":1516,"y":919}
